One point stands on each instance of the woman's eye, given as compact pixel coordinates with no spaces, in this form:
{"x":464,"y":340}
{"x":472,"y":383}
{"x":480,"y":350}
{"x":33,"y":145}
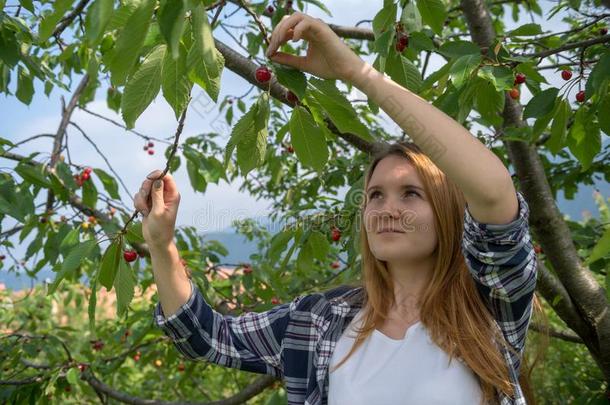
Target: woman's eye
{"x":374,"y":193}
{"x":412,"y":192}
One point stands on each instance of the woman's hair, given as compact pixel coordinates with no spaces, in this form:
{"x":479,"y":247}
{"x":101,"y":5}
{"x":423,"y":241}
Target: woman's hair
{"x":451,"y":308}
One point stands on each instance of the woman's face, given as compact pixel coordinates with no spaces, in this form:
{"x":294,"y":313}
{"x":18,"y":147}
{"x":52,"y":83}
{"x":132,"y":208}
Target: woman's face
{"x":396,"y":200}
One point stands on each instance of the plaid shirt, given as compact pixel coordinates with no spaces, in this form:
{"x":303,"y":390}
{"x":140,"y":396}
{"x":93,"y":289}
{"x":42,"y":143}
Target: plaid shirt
{"x":294,"y":341}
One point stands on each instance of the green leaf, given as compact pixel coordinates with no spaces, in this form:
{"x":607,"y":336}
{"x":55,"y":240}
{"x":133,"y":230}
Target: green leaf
{"x":557,"y":140}
{"x":541,"y":104}
{"x":384,"y":19}
{"x":338,"y":108}
{"x":124,"y":284}
{"x":278,"y":244}
{"x":525,"y":30}
{"x":403,"y":72}
{"x":69,"y":241}
{"x":143,"y":87}
{"x":96,"y":20}
{"x":92,"y":305}
{"x":110,"y":264}
{"x":89,"y":194}
{"x":383,"y":42}
{"x":33,"y":174}
{"x":462,"y":68}
{"x":542,"y":123}
{"x":601,"y":248}
{"x":204,"y":62}
{"x":242,"y":126}
{"x":129,"y":43}
{"x":171,"y":22}
{"x":25,"y":86}
{"x":134,"y":233}
{"x":175,"y":83}
{"x":253,"y":145}
{"x":455,"y":49}
{"x":602,"y":115}
{"x":319,"y":244}
{"x":197,"y":180}
{"x":110,"y":184}
{"x":72,"y":262}
{"x":584,"y":139}
{"x":50,"y":19}
{"x":411,"y":18}
{"x":308,"y":140}
{"x":305,"y":259}
{"x":599,"y":74}
{"x":433,"y":13}
{"x":489,"y":102}
{"x":293,"y":79}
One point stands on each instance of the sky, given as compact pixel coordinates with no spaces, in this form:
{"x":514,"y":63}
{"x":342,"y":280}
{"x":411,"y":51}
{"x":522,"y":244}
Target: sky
{"x":223,"y":203}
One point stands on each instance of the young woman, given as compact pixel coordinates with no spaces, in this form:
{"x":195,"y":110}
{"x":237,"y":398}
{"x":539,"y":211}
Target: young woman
{"x":449,"y":270}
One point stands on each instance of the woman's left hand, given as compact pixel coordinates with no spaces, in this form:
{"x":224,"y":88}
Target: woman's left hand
{"x":327,"y":56}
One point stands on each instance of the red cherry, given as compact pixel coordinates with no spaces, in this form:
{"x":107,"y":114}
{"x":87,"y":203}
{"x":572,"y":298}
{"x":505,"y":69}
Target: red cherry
{"x":263,"y":74}
{"x":270,"y":9}
{"x":335,"y":265}
{"x":151,"y":144}
{"x":292,"y":97}
{"x":566,"y":74}
{"x":519,"y":78}
{"x":85,"y":176}
{"x":92,"y":219}
{"x":514,"y":93}
{"x":537,"y":249}
{"x":336,"y":234}
{"x":603,"y":31}
{"x":275,"y":301}
{"x":136,"y":356}
{"x":181,"y":367}
{"x":401,"y":42}
{"x":2,"y":257}
{"x":151,"y":152}
{"x":130,"y":255}
{"x":247,"y":269}
{"x":82,"y":367}
{"x":98,"y":345}
{"x":290,"y":149}
{"x":88,"y":170}
{"x":580,"y":96}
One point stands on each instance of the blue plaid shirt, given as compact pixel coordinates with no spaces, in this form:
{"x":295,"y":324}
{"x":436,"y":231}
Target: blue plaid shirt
{"x":294,"y":341}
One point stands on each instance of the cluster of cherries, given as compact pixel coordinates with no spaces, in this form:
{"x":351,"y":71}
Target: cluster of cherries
{"x":270,"y":9}
{"x":402,"y":38}
{"x":148,"y":146}
{"x":83,"y":177}
{"x":565,"y":75}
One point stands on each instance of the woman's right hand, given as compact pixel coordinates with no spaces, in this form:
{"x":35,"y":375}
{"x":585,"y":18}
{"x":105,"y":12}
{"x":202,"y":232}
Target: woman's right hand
{"x":159,"y":207}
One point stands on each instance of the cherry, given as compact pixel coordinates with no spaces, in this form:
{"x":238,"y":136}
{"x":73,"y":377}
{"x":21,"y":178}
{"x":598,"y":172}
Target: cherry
{"x":603,"y":31}
{"x":68,"y":388}
{"x":247,"y":269}
{"x":130,"y":255}
{"x":98,"y":345}
{"x":335,"y":265}
{"x":158,"y":363}
{"x":181,"y":366}
{"x":43,"y":220}
{"x":82,"y":367}
{"x":519,"y":78}
{"x":63,"y":218}
{"x":580,"y":96}
{"x":566,"y":74}
{"x":514,"y":93}
{"x":151,"y":144}
{"x":136,"y":356}
{"x":336,"y":234}
{"x":151,"y":152}
{"x":537,"y":249}
{"x":270,"y":9}
{"x":85,"y":225}
{"x":275,"y":301}
{"x":263,"y":74}
{"x":401,"y":42}
{"x":145,"y":147}
{"x":85,"y":176}
{"x":127,"y":332}
{"x":290,"y":96}
{"x":289,"y":4}
{"x":290,"y":149}
{"x":2,"y":257}
{"x":92,"y":219}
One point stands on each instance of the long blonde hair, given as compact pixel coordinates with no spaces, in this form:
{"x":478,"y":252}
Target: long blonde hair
{"x":451,"y":308}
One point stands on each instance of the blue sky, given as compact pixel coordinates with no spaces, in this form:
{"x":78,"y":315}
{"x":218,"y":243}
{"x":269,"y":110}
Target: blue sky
{"x":221,"y":203}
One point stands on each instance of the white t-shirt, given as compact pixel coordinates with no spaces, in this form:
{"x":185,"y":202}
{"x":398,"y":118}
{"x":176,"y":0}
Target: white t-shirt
{"x":386,"y":371}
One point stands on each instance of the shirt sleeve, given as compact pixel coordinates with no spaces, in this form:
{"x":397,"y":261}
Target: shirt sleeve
{"x":250,"y":342}
{"x":502,"y":261}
